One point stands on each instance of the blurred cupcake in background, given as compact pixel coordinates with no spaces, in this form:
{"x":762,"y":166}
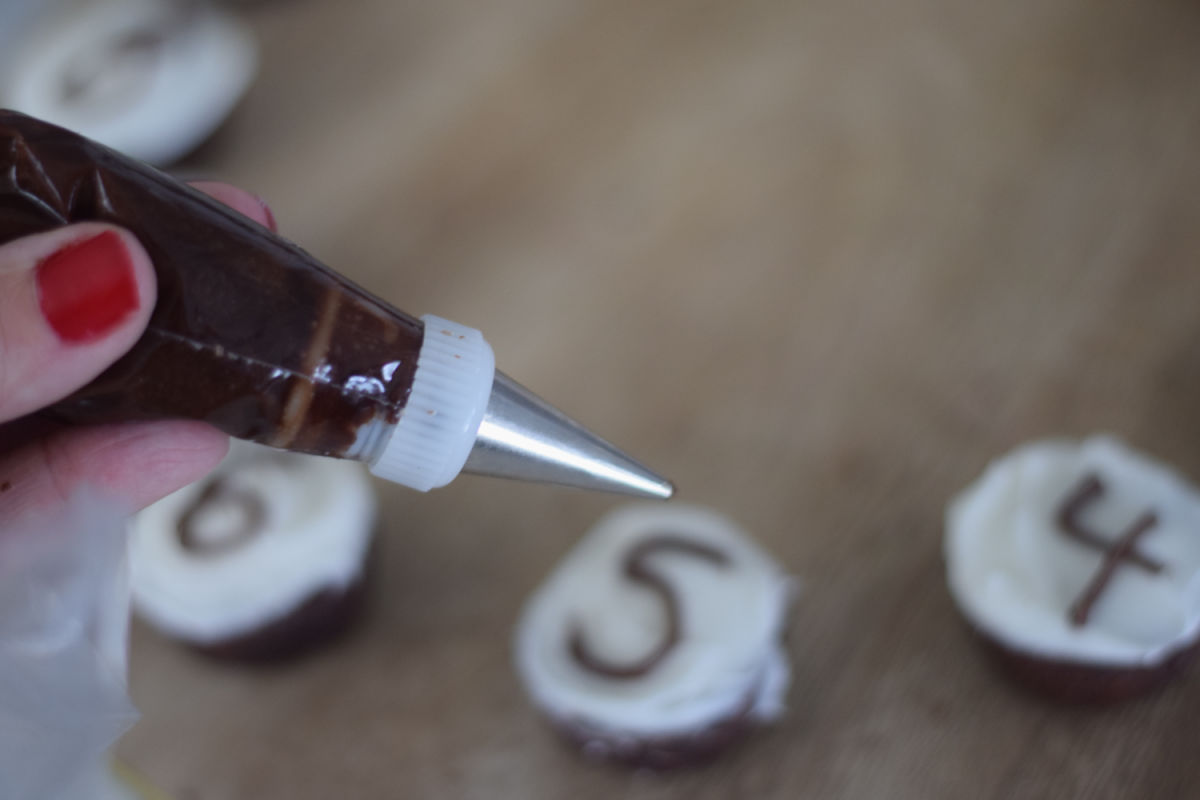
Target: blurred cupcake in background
{"x":151,"y":78}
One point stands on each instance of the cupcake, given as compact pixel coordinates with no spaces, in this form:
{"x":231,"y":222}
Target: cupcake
{"x":1079,"y":566}
{"x":657,"y":641}
{"x":262,"y":559}
{"x":149,"y":78}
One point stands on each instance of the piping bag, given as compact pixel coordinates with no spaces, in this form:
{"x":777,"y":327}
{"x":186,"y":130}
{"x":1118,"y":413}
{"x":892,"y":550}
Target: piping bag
{"x":64,"y":621}
{"x":256,"y":337}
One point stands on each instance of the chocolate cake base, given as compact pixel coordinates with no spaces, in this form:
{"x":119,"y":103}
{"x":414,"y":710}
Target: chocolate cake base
{"x":660,"y":753}
{"x":1081,"y":683}
{"x":326,"y":615}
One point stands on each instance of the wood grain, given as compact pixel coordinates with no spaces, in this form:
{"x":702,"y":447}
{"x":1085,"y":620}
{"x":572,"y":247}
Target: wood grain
{"x":819,"y":262}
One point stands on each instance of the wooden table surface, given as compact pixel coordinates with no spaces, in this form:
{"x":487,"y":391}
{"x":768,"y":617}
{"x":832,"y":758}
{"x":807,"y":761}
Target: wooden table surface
{"x":818,"y":262}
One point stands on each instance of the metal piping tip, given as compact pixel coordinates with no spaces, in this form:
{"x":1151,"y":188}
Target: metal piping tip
{"x":524,"y":437}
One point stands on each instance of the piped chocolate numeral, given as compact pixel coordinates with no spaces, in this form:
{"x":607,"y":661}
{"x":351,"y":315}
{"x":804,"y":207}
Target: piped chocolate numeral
{"x":1124,"y":549}
{"x":254,"y":512}
{"x":636,"y":570}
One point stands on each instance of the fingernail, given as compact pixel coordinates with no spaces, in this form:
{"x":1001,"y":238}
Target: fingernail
{"x":271,"y":224}
{"x":87,"y":288}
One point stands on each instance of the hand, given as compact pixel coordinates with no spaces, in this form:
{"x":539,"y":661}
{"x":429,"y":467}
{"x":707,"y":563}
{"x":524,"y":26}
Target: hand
{"x":72,"y":301}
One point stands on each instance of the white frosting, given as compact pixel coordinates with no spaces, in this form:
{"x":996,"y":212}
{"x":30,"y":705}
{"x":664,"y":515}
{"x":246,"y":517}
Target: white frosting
{"x":320,"y":513}
{"x":156,"y":101}
{"x":729,"y":649}
{"x":1015,"y":574}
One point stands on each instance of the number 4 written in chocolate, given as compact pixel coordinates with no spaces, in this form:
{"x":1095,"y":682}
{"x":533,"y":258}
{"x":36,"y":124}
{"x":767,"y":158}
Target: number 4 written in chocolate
{"x":1123,"y":550}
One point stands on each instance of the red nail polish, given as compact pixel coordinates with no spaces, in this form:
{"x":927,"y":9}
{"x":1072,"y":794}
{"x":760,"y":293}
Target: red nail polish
{"x":87,"y":288}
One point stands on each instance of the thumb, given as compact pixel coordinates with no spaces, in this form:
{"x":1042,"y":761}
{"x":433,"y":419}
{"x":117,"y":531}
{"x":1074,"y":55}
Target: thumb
{"x":72,"y":301}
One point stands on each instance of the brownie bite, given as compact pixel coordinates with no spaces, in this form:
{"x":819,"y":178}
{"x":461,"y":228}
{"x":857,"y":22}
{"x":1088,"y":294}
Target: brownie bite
{"x":1078,"y":564}
{"x":657,"y":641}
{"x":262,"y":559}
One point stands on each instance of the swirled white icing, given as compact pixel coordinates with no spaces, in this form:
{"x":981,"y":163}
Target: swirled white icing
{"x":728,"y":659}
{"x":317,"y":526}
{"x":1015,"y":573}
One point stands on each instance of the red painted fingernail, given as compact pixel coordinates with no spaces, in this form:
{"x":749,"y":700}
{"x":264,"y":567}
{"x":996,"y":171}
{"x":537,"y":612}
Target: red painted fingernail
{"x":271,"y":224}
{"x":87,"y":288}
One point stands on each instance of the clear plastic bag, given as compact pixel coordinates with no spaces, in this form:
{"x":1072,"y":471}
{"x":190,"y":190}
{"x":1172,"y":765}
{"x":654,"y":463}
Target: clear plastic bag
{"x":64,"y":623}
